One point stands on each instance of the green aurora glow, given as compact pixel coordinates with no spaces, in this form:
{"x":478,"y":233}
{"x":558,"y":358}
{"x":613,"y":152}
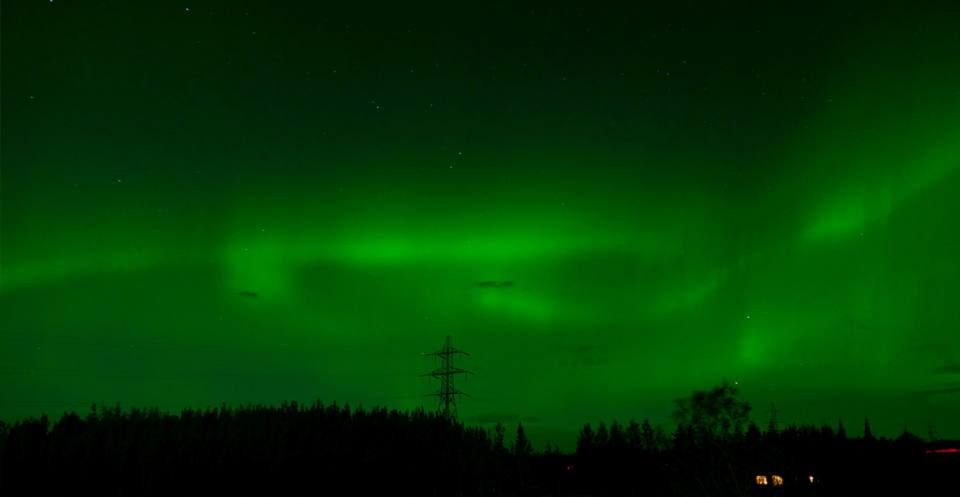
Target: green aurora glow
{"x":679,"y":197}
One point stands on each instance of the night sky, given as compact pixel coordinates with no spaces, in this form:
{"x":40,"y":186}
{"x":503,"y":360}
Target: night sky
{"x":208,"y":202}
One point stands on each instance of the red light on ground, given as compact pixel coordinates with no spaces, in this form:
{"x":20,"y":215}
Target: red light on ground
{"x":951,"y":450}
{"x":569,"y":467}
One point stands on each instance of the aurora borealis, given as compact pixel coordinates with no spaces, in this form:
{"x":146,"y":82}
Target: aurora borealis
{"x":208,"y":202}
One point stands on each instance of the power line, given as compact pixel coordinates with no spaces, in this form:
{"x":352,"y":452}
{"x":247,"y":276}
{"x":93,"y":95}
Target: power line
{"x":447,"y":395}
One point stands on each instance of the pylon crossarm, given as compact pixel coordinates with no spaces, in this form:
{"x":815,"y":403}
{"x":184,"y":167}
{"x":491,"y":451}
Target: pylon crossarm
{"x":458,"y":371}
{"x":447,"y":372}
{"x":444,"y":352}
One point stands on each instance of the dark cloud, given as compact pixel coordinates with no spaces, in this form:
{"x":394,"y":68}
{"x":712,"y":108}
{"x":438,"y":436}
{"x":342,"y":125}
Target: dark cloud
{"x":584,"y":354}
{"x":938,"y":347}
{"x":948,"y":368}
{"x":587,"y":355}
{"x":934,"y":392}
{"x":494,"y":284}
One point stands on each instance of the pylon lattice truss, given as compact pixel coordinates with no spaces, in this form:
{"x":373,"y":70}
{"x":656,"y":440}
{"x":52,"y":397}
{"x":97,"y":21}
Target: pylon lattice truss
{"x":447,"y":395}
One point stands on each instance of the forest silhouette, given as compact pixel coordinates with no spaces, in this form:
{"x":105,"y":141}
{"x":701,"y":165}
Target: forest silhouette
{"x":335,"y":450}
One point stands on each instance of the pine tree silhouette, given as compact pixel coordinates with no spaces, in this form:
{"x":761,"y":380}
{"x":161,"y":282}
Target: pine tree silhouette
{"x":586,"y":439}
{"x":522,"y":446}
{"x":602,"y":438}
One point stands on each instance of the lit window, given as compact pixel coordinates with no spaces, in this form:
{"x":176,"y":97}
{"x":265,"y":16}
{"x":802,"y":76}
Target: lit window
{"x":761,"y":480}
{"x":777,"y":480}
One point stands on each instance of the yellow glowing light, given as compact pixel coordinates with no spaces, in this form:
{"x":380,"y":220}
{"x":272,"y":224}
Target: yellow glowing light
{"x":777,"y":481}
{"x":761,"y":480}
{"x":810,"y":478}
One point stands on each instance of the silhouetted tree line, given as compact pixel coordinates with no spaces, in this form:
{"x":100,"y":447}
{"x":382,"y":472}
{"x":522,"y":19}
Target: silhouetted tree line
{"x":332,"y":450}
{"x":256,"y":450}
{"x":716,"y":451}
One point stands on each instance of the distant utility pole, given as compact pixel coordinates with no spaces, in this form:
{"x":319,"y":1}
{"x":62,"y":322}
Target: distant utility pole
{"x":447,"y":395}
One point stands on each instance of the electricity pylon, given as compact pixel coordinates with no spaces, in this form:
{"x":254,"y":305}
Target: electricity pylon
{"x":447,"y":395}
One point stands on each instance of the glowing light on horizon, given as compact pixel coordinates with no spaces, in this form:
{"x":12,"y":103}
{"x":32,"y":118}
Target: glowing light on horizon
{"x":949,"y":450}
